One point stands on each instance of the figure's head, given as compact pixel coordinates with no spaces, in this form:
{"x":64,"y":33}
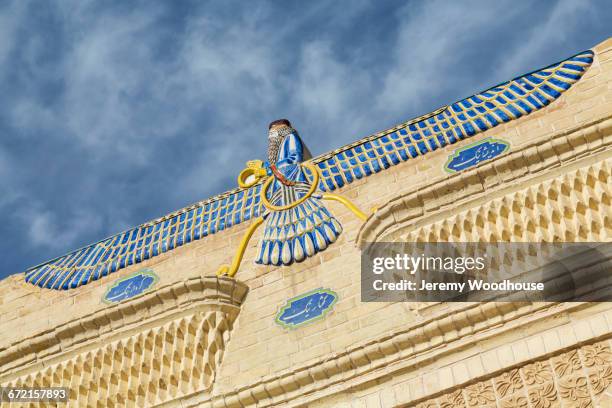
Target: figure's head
{"x":277,"y":130}
{"x":276,"y":126}
{"x":279,"y":123}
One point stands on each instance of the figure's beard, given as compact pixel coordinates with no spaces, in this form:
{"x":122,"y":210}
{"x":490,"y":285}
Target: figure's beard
{"x":273,"y":147}
{"x":275,"y":138}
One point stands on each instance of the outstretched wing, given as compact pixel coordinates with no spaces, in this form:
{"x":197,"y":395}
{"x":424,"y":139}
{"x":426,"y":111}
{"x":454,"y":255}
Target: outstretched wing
{"x":415,"y":138}
{"x":148,"y":240}
{"x":451,"y":124}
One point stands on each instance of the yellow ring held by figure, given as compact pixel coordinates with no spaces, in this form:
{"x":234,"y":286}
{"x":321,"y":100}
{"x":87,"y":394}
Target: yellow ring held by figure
{"x":251,"y":175}
{"x":313,"y":187}
{"x":247,"y":178}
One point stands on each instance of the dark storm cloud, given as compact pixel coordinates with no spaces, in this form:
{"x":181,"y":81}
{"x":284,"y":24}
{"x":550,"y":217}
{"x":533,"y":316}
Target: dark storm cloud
{"x":114,"y":114}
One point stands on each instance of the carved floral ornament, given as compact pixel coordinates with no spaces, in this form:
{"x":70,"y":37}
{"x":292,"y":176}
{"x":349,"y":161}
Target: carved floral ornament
{"x":578,"y":378}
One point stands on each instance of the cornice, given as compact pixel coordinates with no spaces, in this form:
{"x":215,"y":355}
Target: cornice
{"x":121,"y":320}
{"x":464,"y":325}
{"x":538,"y":159}
{"x":444,"y":331}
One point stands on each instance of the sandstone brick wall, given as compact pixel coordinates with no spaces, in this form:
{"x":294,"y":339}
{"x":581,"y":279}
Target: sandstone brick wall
{"x":371,"y":354}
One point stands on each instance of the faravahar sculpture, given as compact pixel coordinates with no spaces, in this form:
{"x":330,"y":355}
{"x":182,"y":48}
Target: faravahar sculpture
{"x":288,"y":192}
{"x":297,"y":225}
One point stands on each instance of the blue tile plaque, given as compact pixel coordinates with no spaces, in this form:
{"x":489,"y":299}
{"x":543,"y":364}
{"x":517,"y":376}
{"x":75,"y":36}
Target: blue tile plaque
{"x":475,"y":153}
{"x":306,"y":308}
{"x":130,"y":286}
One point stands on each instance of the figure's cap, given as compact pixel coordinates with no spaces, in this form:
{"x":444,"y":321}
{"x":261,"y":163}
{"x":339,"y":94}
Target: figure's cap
{"x":279,"y":122}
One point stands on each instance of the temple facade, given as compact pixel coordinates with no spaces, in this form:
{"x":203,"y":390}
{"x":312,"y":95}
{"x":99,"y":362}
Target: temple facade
{"x":151,"y":317}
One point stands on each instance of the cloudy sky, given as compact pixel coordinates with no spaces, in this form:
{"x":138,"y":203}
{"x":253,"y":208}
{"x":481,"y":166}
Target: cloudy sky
{"x":115,"y":113}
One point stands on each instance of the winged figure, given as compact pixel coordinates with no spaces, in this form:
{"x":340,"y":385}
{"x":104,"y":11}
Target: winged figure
{"x":297,"y":224}
{"x":286,"y":193}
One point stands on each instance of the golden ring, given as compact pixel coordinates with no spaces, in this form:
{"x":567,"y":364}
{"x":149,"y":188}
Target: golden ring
{"x":313,"y":187}
{"x":244,"y":175}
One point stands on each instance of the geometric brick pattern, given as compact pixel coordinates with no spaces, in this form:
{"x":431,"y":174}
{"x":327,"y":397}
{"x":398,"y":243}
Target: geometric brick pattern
{"x":151,"y":367}
{"x":573,"y":207}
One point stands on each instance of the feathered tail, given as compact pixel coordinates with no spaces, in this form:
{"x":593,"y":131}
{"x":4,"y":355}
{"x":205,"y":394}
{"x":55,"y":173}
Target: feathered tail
{"x":297,"y":233}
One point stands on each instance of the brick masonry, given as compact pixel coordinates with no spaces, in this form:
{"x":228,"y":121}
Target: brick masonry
{"x":369,"y":355}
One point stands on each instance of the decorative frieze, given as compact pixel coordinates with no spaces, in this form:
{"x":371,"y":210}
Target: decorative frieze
{"x":578,"y":378}
{"x":506,"y":200}
{"x":570,"y":207}
{"x":148,"y":368}
{"x":125,"y":356}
